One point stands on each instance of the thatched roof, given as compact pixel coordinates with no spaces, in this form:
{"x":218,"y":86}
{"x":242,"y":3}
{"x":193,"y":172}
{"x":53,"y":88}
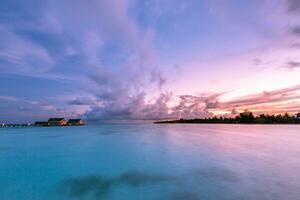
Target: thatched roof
{"x":55,"y":119}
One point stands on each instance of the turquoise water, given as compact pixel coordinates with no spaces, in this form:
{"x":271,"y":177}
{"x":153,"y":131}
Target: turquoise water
{"x":168,"y":162}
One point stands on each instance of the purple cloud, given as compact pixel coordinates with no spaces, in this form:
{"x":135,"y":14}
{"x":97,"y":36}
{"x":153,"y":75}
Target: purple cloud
{"x":292,"y":65}
{"x":190,"y":106}
{"x":81,"y":101}
{"x":296,"y":30}
{"x":274,"y":100}
{"x":116,"y":54}
{"x":136,"y":107}
{"x":29,"y":110}
{"x":293,"y":6}
{"x":21,"y":55}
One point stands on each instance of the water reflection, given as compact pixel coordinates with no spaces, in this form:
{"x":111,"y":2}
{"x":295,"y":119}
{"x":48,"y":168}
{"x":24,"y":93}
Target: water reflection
{"x":136,"y":178}
{"x":100,"y":186}
{"x":4,"y":148}
{"x":187,"y":162}
{"x":51,"y":136}
{"x":217,"y":173}
{"x":184,"y":196}
{"x":96,"y":186}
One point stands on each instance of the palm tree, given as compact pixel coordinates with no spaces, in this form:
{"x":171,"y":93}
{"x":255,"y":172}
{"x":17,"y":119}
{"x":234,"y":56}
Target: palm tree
{"x":246,"y":117}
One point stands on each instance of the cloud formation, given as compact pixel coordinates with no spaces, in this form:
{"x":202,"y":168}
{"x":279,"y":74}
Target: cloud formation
{"x":22,"y":55}
{"x":81,"y":101}
{"x":118,"y":56}
{"x":30,"y":110}
{"x":296,"y":30}
{"x":136,"y":107}
{"x":293,"y":6}
{"x":191,"y":106}
{"x":292,"y":65}
{"x":114,"y":57}
{"x":270,"y":102}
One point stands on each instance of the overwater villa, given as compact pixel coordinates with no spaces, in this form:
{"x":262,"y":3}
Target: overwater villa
{"x":60,"y":122}
{"x":75,"y":122}
{"x":41,"y":123}
{"x":57,"y":122}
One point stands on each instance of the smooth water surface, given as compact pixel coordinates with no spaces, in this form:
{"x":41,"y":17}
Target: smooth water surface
{"x":163,"y":162}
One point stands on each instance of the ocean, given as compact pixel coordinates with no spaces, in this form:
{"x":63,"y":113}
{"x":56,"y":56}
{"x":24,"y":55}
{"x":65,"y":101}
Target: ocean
{"x":151,"y":162}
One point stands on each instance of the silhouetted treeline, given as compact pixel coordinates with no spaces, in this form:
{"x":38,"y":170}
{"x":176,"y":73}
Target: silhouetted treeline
{"x":246,"y":117}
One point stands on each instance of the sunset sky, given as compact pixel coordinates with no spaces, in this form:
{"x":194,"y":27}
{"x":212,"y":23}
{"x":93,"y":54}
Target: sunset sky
{"x":150,"y":59}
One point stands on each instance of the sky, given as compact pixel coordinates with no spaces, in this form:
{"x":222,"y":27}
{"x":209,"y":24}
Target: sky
{"x":148,"y":60}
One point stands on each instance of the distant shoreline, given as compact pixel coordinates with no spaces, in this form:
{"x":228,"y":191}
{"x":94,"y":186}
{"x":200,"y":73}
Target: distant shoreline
{"x":246,"y":117}
{"x":191,"y":122}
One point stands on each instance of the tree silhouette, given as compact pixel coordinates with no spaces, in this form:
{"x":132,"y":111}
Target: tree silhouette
{"x":245,"y":117}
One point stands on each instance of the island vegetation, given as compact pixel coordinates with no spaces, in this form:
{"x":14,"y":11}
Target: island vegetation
{"x":245,"y":117}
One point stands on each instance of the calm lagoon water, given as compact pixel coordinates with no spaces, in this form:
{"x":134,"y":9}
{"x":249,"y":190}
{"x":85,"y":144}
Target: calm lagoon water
{"x":163,"y":162}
